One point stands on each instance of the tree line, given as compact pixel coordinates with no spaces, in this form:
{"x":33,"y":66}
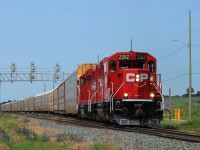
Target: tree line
{"x":5,"y":102}
{"x":197,"y":94}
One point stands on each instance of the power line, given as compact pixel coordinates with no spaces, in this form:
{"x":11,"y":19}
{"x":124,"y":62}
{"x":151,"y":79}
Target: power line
{"x":196,"y":45}
{"x":178,"y":77}
{"x":175,"y":77}
{"x":172,"y":53}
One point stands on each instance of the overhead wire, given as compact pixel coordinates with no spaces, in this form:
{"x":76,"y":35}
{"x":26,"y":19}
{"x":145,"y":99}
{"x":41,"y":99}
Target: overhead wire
{"x":196,"y":45}
{"x":178,"y":77}
{"x":172,"y":52}
{"x":179,"y":49}
{"x":175,"y":77}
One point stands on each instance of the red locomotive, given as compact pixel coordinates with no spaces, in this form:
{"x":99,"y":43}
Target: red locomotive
{"x":123,"y":88}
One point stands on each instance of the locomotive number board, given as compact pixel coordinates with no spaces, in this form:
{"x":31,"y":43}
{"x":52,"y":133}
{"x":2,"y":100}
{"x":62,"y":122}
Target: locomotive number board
{"x":140,"y":57}
{"x":123,"y":57}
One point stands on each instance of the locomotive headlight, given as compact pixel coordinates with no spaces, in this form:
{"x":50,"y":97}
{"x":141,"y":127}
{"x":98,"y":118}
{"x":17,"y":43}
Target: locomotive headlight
{"x":125,"y":94}
{"x":137,"y":78}
{"x":152,"y":95}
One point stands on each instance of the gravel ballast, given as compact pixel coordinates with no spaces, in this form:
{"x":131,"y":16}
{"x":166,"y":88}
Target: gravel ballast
{"x":126,"y":140}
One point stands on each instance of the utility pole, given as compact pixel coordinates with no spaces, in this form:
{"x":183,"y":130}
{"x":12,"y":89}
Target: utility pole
{"x":190,"y":67}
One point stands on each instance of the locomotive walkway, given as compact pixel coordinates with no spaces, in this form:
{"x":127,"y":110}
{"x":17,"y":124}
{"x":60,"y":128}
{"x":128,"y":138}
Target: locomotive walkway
{"x":160,"y":132}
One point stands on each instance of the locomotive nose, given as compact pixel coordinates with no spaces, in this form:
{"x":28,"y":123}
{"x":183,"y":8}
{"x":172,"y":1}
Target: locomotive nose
{"x":136,"y":84}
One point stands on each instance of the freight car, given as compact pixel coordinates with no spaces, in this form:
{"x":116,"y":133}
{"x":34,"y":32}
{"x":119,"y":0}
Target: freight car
{"x":63,"y":99}
{"x":123,"y":88}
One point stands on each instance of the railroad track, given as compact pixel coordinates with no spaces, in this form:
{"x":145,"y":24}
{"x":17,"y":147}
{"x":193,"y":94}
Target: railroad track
{"x":161,"y":132}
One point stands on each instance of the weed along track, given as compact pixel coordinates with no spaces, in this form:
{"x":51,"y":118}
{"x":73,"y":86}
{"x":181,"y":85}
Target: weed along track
{"x":160,"y":132}
{"x":26,"y":133}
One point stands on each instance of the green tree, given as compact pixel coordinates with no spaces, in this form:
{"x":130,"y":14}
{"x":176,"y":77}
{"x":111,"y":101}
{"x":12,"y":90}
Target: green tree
{"x":192,"y":90}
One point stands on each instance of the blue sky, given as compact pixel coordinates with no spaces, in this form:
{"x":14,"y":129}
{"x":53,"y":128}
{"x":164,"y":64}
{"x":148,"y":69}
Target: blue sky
{"x":71,"y":32}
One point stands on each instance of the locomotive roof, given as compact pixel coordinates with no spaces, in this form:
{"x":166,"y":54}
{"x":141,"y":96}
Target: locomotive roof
{"x":149,"y":56}
{"x":131,"y":52}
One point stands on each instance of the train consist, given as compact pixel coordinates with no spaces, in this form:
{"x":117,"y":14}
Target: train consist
{"x":122,"y":88}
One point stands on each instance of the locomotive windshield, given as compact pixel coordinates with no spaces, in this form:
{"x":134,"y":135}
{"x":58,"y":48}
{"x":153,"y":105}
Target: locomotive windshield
{"x":131,"y":64}
{"x":151,"y":66}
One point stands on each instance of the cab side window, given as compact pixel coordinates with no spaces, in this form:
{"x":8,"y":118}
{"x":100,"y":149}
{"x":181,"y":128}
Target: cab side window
{"x":89,"y":78}
{"x":151,"y":66}
{"x":82,"y":81}
{"x":112,"y":66}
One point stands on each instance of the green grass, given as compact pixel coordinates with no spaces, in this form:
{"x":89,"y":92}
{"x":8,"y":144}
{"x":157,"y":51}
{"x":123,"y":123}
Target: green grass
{"x":14,"y":135}
{"x":29,"y":145}
{"x":185,"y":124}
{"x":10,"y":125}
{"x":104,"y":146}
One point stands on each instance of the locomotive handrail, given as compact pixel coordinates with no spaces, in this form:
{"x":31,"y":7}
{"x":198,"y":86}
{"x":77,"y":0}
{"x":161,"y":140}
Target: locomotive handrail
{"x":115,"y":94}
{"x":112,"y":88}
{"x":94,"y":95}
{"x":89,"y":100}
{"x":163,"y":105}
{"x":111,"y":95}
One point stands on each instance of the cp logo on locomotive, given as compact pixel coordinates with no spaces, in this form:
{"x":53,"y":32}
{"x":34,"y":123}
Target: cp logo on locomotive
{"x":131,"y":77}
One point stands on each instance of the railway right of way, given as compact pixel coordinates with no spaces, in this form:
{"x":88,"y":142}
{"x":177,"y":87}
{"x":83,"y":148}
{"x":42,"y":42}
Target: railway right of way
{"x":160,"y":132}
